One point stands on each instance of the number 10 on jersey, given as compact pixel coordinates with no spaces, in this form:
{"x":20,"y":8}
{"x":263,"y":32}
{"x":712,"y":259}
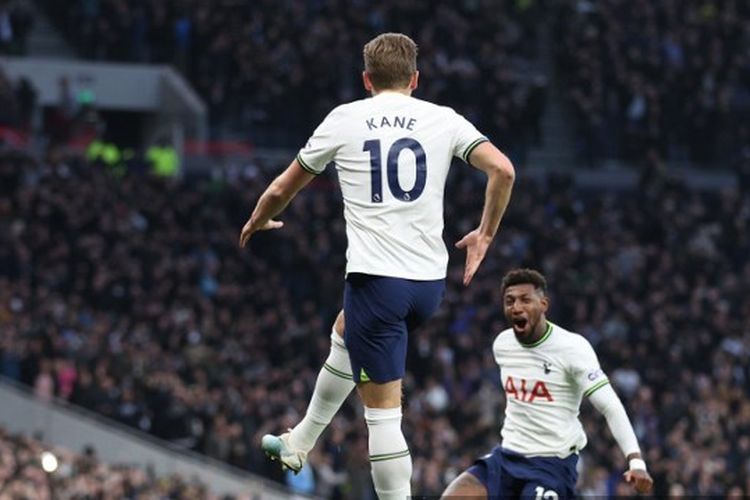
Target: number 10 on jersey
{"x":376,"y":169}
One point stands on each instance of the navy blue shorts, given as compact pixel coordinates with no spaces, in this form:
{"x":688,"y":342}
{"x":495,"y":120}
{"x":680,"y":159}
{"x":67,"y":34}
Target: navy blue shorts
{"x":379,"y":312}
{"x":507,"y":474}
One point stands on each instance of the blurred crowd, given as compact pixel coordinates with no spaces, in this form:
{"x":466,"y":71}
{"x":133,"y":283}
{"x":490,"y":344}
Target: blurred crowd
{"x":669,"y":76}
{"x":17,"y":103}
{"x":79,"y":476}
{"x":16,"y":22}
{"x":258,"y":62}
{"x":641,"y":77}
{"x":128,"y":296}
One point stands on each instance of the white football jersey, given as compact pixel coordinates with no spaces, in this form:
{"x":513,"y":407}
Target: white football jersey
{"x":392,"y":153}
{"x":544,"y":384}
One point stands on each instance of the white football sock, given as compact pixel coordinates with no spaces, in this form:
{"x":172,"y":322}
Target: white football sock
{"x":331,"y":390}
{"x":389,"y":454}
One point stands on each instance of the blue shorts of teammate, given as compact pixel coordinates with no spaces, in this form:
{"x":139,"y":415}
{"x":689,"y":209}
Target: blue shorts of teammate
{"x":507,"y":474}
{"x":379,"y":313}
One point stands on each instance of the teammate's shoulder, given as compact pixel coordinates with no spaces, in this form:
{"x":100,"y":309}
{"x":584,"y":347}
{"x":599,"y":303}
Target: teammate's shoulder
{"x":575,"y":341}
{"x":347,"y":107}
{"x":504,"y":338}
{"x":438,"y":108}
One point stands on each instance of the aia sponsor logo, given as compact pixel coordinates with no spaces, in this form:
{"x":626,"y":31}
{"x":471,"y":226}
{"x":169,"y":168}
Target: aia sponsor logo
{"x":522,"y":390}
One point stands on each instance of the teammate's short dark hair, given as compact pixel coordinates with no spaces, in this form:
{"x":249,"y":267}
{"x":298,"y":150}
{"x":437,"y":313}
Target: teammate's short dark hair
{"x":390,"y":60}
{"x":525,"y":277}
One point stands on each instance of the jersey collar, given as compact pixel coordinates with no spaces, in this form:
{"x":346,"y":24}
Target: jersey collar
{"x":389,"y":93}
{"x":539,"y":342}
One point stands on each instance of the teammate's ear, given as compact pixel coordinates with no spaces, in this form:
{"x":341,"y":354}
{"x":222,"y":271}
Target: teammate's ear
{"x":367,"y":82}
{"x":545,"y":303}
{"x":414,"y":82}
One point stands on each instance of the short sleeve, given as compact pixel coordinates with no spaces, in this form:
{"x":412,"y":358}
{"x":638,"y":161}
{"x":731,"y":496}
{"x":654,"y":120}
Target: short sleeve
{"x":322,"y":145}
{"x":466,"y":138}
{"x":585,"y":369}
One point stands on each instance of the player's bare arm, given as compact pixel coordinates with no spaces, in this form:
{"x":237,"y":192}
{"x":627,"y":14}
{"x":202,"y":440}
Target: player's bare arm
{"x":275,"y":198}
{"x":338,"y":325}
{"x":500,"y":178}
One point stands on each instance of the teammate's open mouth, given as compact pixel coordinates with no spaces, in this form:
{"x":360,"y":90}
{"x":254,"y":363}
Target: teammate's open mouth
{"x":520,"y":323}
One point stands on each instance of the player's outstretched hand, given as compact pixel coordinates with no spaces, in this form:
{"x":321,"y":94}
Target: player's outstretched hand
{"x":476,"y":246}
{"x":640,"y":479}
{"x":248,"y":230}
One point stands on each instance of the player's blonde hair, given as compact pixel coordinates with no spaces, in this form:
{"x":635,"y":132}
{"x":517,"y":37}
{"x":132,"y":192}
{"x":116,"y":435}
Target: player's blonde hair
{"x":390,"y":60}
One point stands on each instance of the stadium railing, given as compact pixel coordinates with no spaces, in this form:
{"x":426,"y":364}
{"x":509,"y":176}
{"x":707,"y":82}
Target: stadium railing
{"x":62,"y":424}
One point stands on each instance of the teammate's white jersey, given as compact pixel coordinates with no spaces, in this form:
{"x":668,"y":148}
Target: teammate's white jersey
{"x":544,"y":384}
{"x":392,"y":153}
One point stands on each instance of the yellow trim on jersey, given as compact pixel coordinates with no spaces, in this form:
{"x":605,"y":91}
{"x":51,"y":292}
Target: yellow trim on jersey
{"x":595,"y":387}
{"x":546,"y":335}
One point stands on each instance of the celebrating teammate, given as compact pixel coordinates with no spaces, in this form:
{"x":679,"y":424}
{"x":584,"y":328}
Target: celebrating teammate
{"x":546,"y":371}
{"x":392,"y":153}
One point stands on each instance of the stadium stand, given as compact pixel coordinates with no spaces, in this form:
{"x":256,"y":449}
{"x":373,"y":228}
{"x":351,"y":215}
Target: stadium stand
{"x":257,"y":63}
{"x":644,"y":78}
{"x":667,"y":77}
{"x":127,"y":295}
{"x":79,"y":475}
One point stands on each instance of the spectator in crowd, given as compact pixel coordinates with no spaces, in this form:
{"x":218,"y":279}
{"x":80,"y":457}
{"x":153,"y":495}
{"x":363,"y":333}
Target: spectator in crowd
{"x":131,"y":289}
{"x":17,"y":103}
{"x":16,"y":22}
